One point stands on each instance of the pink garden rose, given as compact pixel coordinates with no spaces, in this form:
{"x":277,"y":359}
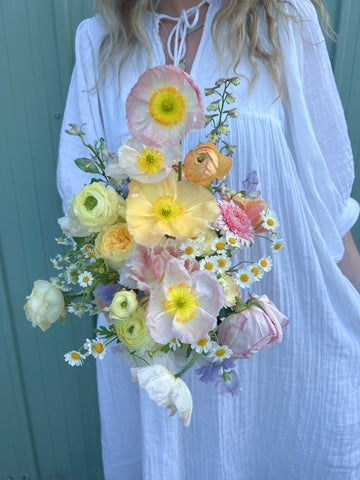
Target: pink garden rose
{"x":252,"y":330}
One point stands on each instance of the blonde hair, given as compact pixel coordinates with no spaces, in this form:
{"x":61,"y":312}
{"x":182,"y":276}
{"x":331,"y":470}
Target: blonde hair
{"x":124,"y":21}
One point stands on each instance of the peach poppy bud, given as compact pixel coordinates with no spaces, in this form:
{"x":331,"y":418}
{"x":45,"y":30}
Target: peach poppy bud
{"x":204,"y":163}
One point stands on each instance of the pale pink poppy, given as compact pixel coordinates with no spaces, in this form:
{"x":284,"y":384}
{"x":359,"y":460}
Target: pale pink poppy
{"x":163,"y":105}
{"x":184,"y":305}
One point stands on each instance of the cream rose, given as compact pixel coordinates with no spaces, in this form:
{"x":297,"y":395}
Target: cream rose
{"x":210,"y":236}
{"x":96,"y":206}
{"x":123,"y":304}
{"x":133,"y":332}
{"x":114,"y":245}
{"x":45,"y":305}
{"x":229,"y":285}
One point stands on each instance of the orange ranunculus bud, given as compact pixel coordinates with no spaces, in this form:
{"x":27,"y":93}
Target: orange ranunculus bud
{"x":204,"y":163}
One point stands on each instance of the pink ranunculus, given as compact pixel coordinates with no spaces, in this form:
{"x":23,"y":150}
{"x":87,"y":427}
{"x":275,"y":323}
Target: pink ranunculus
{"x":252,"y":330}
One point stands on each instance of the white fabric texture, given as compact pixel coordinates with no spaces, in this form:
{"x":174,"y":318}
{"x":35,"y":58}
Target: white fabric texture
{"x":298,"y":417}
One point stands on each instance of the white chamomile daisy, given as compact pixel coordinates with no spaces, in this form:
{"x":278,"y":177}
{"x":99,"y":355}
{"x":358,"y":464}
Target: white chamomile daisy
{"x":270,"y":220}
{"x":265,"y":263}
{"x":88,"y":347}
{"x":202,"y":346}
{"x":98,"y":348}
{"x":219,"y":353}
{"x":277,"y":245}
{"x":74,"y":358}
{"x":208,"y":263}
{"x":174,"y":344}
{"x":56,"y":262}
{"x":219,"y":245}
{"x":71,"y":274}
{"x":77,"y":309}
{"x":65,"y":240}
{"x":87,"y":248}
{"x":85,"y":279}
{"x":233,"y":241}
{"x":245,"y":278}
{"x":223,"y":263}
{"x":190,"y":249}
{"x":257,"y":271}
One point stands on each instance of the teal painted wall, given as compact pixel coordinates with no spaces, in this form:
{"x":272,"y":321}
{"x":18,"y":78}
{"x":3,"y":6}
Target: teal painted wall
{"x":49,"y":420}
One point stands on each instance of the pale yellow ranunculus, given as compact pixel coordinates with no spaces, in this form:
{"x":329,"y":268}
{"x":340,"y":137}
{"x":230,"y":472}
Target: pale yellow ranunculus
{"x":124,"y":304}
{"x":178,"y":209}
{"x":96,"y":206}
{"x":114,"y":245}
{"x":231,"y":290}
{"x":133,"y":332}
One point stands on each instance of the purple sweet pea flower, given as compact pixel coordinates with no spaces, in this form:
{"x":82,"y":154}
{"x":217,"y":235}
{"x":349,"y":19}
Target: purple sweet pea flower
{"x":106,"y":292}
{"x":209,"y":373}
{"x":250,"y":185}
{"x":228,"y":384}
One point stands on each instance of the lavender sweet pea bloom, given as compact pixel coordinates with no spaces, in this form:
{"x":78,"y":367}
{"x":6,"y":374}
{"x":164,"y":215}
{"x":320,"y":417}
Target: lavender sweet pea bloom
{"x":106,"y":292}
{"x":250,"y":185}
{"x":210,"y":373}
{"x":228,"y":386}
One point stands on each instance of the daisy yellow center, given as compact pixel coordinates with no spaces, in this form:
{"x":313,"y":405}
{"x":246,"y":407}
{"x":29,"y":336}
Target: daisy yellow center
{"x":255,"y":271}
{"x":167,"y":209}
{"x":189,"y":250}
{"x":220,"y":246}
{"x":85,"y":279}
{"x":270,"y":222}
{"x":222,"y":263}
{"x":244,"y":277}
{"x":232,"y":240}
{"x":202,"y":342}
{"x":220,"y":352}
{"x":277,"y":246}
{"x":75,"y":356}
{"x":208,"y":266}
{"x":264,"y":263}
{"x":150,"y":160}
{"x":88,"y":248}
{"x":99,"y":348}
{"x":173,"y":340}
{"x":181,"y":302}
{"x":167,"y":106}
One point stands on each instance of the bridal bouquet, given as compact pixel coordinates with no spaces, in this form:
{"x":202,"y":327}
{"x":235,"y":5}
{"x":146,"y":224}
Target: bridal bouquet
{"x":157,"y":242}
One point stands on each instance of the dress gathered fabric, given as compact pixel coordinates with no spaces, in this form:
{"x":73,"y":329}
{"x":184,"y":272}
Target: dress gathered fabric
{"x":298,"y":416}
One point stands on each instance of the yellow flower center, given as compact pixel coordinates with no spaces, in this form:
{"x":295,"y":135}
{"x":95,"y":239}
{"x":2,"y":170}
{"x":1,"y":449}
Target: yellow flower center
{"x":208,"y":266}
{"x":167,"y":209}
{"x":88,"y":248}
{"x":98,"y":348}
{"x":220,"y":246}
{"x":220,"y":352}
{"x":75,"y":356}
{"x":277,"y":246}
{"x":181,"y":302}
{"x":167,"y":106}
{"x":244,"y":277}
{"x":189,"y":250}
{"x":232,"y":240}
{"x":173,"y":340}
{"x":270,"y":222}
{"x":150,"y":160}
{"x":255,"y":271}
{"x":264,"y":263}
{"x":85,"y":279}
{"x":202,"y":342}
{"x":221,"y":263}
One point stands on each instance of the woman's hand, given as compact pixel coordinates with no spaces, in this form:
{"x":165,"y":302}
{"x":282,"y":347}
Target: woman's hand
{"x":350,"y":263}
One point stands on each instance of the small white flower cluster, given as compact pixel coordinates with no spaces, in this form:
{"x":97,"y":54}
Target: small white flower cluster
{"x":214,"y":352}
{"x":254,"y":272}
{"x":96,"y":348}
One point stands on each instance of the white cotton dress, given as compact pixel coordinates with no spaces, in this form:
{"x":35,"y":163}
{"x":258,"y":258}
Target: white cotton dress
{"x":298,"y":416}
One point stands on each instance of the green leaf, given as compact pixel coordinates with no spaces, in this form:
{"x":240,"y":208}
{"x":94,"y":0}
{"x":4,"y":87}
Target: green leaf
{"x":86,"y":165}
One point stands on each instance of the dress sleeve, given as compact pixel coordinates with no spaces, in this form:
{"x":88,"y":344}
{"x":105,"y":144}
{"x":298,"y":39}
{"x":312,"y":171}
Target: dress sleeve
{"x":316,"y":125}
{"x":82,"y":107}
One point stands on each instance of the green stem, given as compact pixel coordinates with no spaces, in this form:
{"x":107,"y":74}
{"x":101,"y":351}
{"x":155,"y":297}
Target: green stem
{"x":189,"y":365}
{"x":179,"y":171}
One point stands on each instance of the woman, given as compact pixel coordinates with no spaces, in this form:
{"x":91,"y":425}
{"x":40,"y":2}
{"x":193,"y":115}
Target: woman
{"x":299,"y":415}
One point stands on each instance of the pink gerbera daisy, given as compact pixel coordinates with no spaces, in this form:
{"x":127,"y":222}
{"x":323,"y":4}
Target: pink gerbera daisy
{"x":234,"y":220}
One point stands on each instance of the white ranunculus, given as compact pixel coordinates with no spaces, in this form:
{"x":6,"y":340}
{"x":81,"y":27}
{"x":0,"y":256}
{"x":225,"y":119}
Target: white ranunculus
{"x":166,"y":390}
{"x":45,"y":305}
